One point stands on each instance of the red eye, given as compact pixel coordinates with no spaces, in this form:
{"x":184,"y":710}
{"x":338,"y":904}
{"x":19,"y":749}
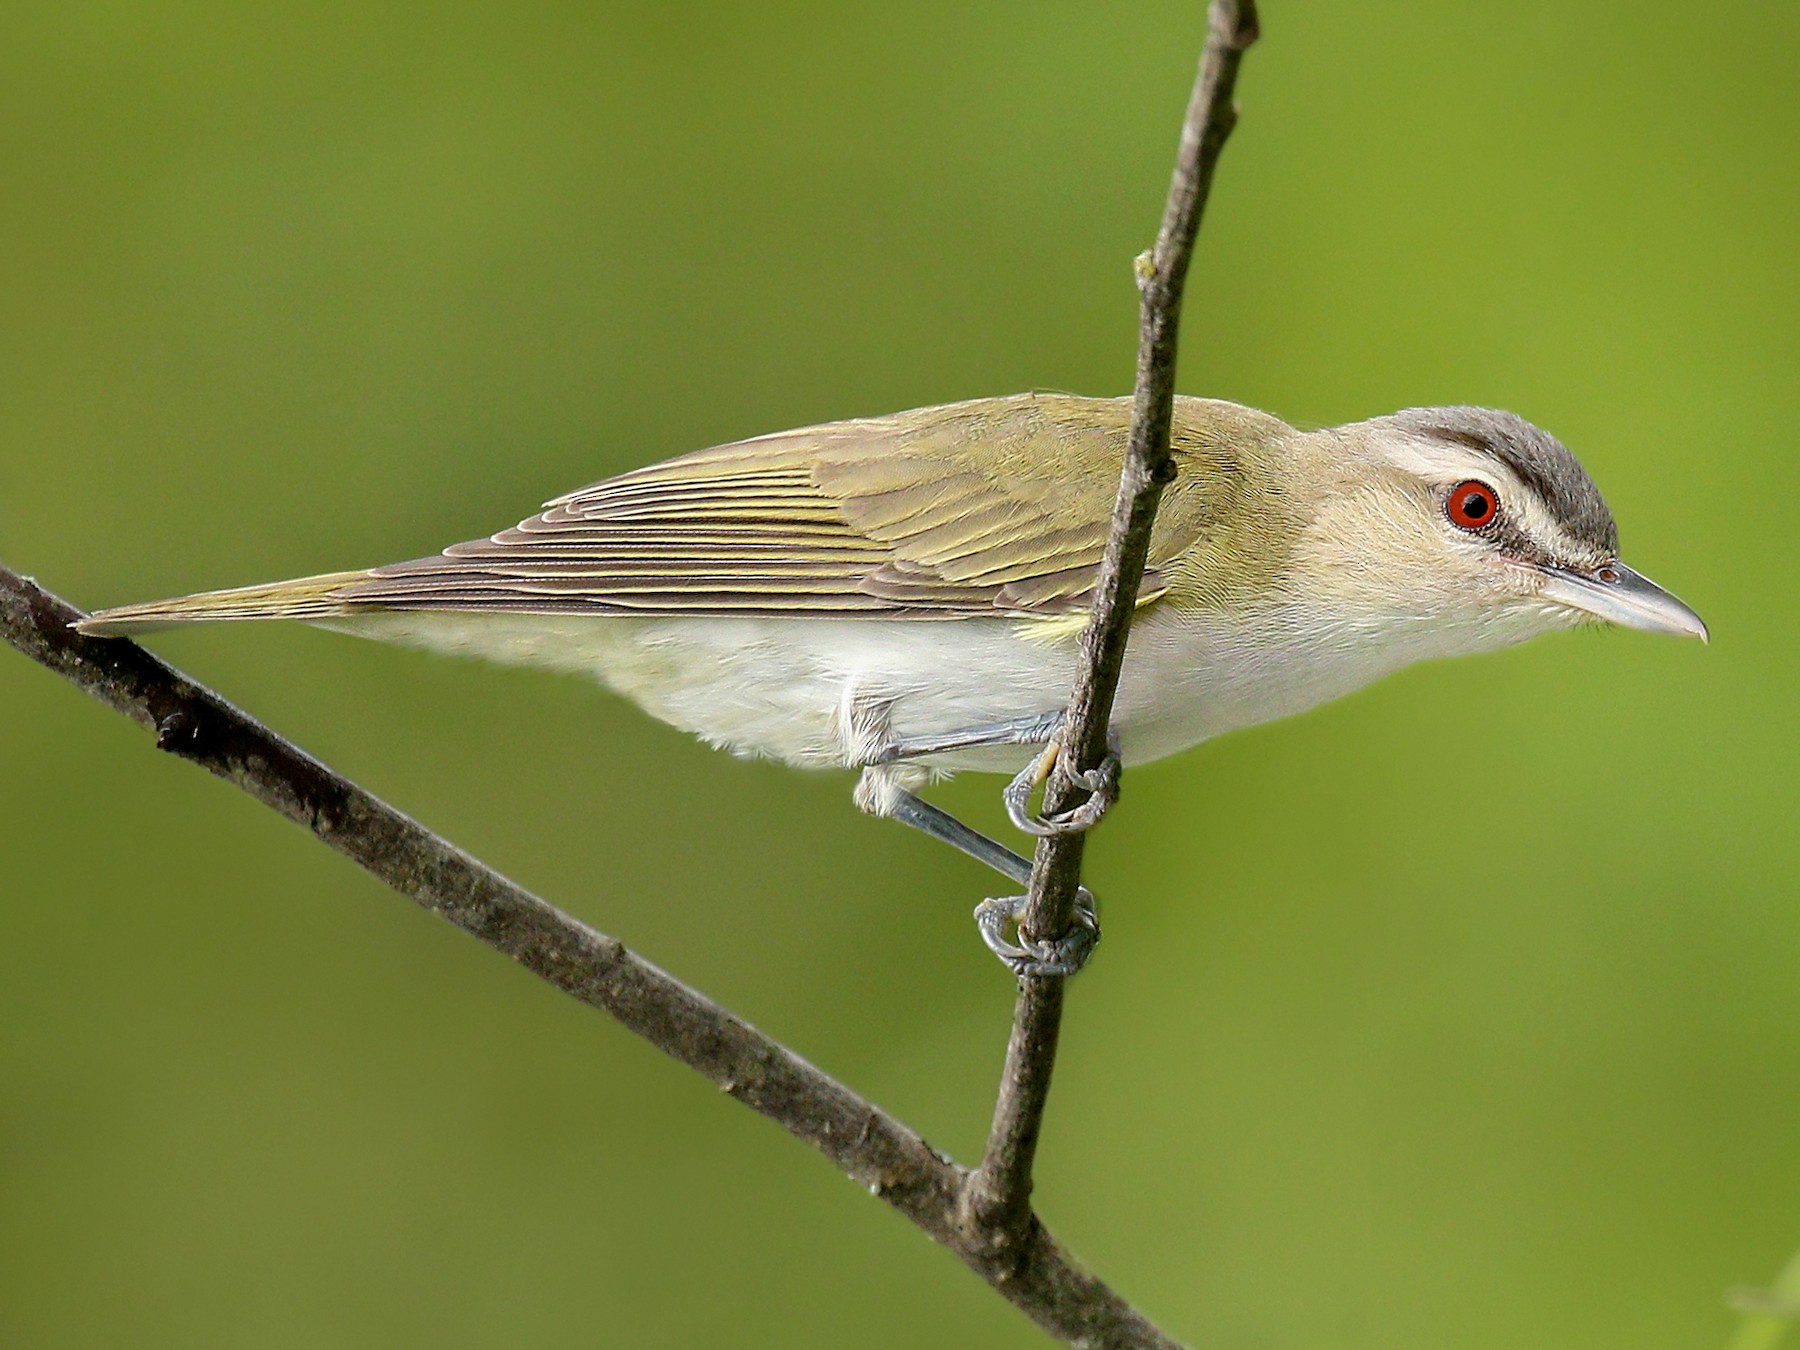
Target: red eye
{"x":1472,"y":505}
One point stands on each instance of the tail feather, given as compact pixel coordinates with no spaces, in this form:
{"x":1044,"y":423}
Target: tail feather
{"x":303,"y":598}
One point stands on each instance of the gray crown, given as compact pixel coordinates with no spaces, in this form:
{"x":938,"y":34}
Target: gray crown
{"x":1540,"y":461}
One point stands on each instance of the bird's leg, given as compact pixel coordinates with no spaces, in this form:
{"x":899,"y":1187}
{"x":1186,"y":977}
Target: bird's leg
{"x":1101,"y":782}
{"x":915,"y":811}
{"x":1024,"y":956}
{"x":1035,"y":730}
{"x":996,"y":918}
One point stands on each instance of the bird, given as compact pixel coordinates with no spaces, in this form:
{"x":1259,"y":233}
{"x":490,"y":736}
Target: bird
{"x":904,"y":595}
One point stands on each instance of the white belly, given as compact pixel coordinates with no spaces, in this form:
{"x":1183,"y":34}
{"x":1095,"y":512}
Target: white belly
{"x":824,"y":692}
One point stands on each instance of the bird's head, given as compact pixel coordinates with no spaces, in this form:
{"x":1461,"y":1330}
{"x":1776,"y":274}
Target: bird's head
{"x":1471,"y":522}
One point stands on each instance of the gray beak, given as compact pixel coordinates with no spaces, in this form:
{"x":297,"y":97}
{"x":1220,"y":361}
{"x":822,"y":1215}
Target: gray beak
{"x":1617,"y":594}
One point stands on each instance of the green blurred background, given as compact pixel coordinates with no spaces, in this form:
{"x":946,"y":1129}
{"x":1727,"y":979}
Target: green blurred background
{"x":1388,"y":1045}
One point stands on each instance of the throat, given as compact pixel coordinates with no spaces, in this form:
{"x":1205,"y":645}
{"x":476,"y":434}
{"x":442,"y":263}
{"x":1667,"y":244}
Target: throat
{"x":1192,"y":676}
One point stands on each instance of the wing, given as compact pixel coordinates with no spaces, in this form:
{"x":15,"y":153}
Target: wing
{"x":999,"y":506}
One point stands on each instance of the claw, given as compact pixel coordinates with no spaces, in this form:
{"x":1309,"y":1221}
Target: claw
{"x":1036,"y":958}
{"x":1101,"y":783}
{"x":1103,"y":778}
{"x":1017,"y":794}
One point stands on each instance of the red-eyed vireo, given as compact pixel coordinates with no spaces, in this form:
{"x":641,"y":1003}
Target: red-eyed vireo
{"x":905,"y":594}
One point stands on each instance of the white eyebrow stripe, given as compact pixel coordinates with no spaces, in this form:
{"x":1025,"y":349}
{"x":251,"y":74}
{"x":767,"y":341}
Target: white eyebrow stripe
{"x":1445,"y":463}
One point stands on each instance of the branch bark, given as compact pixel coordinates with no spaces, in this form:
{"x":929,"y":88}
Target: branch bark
{"x":983,"y":1215}
{"x":998,"y":1202}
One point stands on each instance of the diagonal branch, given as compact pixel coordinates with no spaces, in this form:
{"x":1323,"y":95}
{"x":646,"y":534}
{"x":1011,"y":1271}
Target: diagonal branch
{"x":861,"y":1140}
{"x":999,"y":1197}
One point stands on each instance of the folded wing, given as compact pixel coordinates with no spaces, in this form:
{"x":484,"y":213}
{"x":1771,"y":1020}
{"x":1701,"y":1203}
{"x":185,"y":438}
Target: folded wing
{"x":996,"y":506}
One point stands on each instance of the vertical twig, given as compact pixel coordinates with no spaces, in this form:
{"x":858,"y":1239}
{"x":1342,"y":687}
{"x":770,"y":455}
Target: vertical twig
{"x":998,"y":1200}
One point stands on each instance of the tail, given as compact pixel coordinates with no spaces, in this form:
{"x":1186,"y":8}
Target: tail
{"x":304,"y":598}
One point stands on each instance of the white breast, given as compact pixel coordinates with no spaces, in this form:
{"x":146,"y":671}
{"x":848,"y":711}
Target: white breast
{"x":822,"y":692}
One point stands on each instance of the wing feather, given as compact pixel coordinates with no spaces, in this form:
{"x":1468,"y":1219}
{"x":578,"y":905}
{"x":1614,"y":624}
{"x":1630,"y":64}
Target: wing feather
{"x":895,"y":516}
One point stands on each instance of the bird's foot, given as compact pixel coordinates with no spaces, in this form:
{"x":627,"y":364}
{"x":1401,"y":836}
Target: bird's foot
{"x":1034,"y":958}
{"x":1100,"y":782}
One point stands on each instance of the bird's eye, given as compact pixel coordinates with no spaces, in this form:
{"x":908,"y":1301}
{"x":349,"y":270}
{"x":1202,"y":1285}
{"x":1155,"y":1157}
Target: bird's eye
{"x":1472,"y":505}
